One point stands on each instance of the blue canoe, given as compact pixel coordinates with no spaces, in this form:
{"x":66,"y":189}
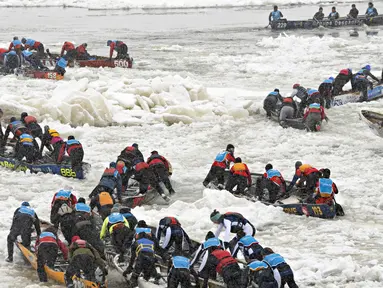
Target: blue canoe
{"x":314,"y":210}
{"x":343,"y":99}
{"x":63,"y":169}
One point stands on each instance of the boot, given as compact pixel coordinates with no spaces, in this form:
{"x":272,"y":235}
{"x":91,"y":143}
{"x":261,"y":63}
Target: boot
{"x":9,"y":259}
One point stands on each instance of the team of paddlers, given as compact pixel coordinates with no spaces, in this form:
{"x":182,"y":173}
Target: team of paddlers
{"x":29,"y":52}
{"x":312,"y":102}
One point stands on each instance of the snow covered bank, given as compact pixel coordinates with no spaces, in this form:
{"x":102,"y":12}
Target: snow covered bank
{"x":102,"y":98}
{"x":162,"y":4}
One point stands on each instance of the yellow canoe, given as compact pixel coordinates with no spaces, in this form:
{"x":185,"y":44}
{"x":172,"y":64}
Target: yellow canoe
{"x":56,"y":275}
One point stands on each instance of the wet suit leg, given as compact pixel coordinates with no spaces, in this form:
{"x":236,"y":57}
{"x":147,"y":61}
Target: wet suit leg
{"x":80,"y":262}
{"x":76,"y":158}
{"x":46,"y":255}
{"x":179,"y":276}
{"x":311,"y":181}
{"x":269,"y":104}
{"x":312,"y":120}
{"x":91,"y":235}
{"x":231,"y":183}
{"x":122,"y":52}
{"x":232,"y":276}
{"x":121,"y":239}
{"x":287,"y":275}
{"x":145,"y":263}
{"x":66,"y":225}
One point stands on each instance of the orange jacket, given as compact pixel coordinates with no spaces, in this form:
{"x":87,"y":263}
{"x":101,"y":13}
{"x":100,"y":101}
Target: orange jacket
{"x":242,"y":170}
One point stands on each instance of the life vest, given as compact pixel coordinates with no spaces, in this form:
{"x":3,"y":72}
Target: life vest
{"x":240,"y":169}
{"x":272,"y":173}
{"x":120,"y":166}
{"x":315,"y":108}
{"x":115,"y":218}
{"x":27,"y":210}
{"x":169,"y":221}
{"x":144,"y":245}
{"x":11,"y":53}
{"x":328,"y":81}
{"x":104,"y":198}
{"x":212,"y":242}
{"x":72,"y":144}
{"x":26,"y":139}
{"x":248,"y":241}
{"x":53,"y":133}
{"x":224,"y":259}
{"x":47,"y":237}
{"x":144,"y":230}
{"x":273,"y":93}
{"x":344,"y":72}
{"x":257,"y":265}
{"x":274,"y":260}
{"x":81,"y":49}
{"x":17,"y":44}
{"x":62,"y":63}
{"x":82,"y":207}
{"x":313,"y":92}
{"x":68,"y":46}
{"x":276,"y":15}
{"x":306,"y":169}
{"x":370,"y":11}
{"x":140,"y":166}
{"x":325,"y":187}
{"x":180,"y":262}
{"x":30,"y":119}
{"x":16,"y":127}
{"x":221,"y":156}
{"x":30,"y":43}
{"x":110,"y":172}
{"x":26,"y":53}
{"x":81,"y":243}
{"x":63,"y":195}
{"x":288,"y":100}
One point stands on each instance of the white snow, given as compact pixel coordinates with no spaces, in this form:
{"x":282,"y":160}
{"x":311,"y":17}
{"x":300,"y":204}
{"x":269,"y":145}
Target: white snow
{"x":95,"y":97}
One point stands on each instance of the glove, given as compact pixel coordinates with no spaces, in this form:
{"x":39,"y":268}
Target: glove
{"x":127,"y":271}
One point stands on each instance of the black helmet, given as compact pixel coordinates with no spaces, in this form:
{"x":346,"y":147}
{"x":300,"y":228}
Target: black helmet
{"x":81,"y":200}
{"x":23,"y":115}
{"x":230,"y":147}
{"x":298,"y":164}
{"x":209,"y":235}
{"x":12,"y":119}
{"x":71,"y":137}
{"x":15,"y":38}
{"x":267,"y":251}
{"x":276,"y":90}
{"x":326,"y":173}
{"x":135,"y":145}
{"x":238,"y":160}
{"x":23,"y":40}
{"x":142,"y":224}
{"x":85,"y":45}
{"x":154,"y":152}
{"x":46,"y":128}
{"x":268,"y":167}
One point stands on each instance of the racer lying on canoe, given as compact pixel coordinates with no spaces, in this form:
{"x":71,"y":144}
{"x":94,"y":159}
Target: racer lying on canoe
{"x":325,"y":189}
{"x":31,"y":60}
{"x":118,"y":46}
{"x":82,"y":53}
{"x":273,"y":181}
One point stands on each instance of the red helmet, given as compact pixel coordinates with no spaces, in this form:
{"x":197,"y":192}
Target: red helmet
{"x":296,"y":86}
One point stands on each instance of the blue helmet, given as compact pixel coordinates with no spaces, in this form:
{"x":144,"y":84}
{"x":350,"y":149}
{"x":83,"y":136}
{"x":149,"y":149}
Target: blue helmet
{"x":331,"y":78}
{"x":367,"y":67}
{"x":109,"y":42}
{"x":25,"y":203}
{"x":349,"y":69}
{"x":112,"y":164}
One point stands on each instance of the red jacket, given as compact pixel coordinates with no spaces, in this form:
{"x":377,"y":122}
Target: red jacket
{"x":72,"y":200}
{"x":81,"y":49}
{"x":113,"y":46}
{"x":325,"y":200}
{"x":313,"y":110}
{"x":67,"y":47}
{"x":157,"y":159}
{"x":3,"y":50}
{"x":242,"y":170}
{"x":305,"y":170}
{"x":37,"y":44}
{"x":56,"y":241}
{"x":140,"y":166}
{"x":224,"y":164}
{"x":11,"y":46}
{"x":279,"y":180}
{"x":30,"y":119}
